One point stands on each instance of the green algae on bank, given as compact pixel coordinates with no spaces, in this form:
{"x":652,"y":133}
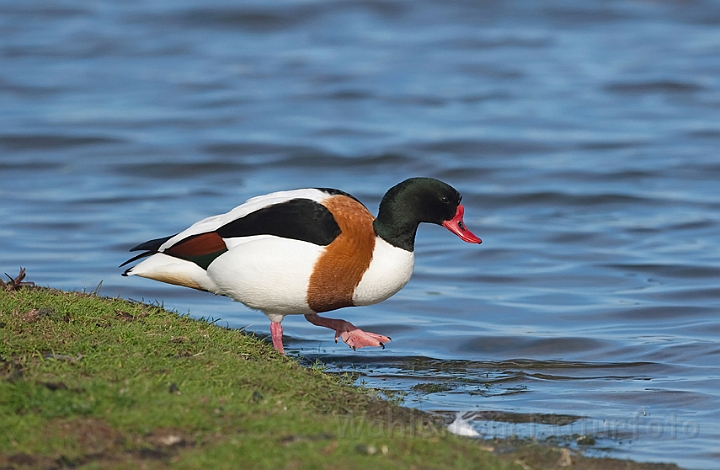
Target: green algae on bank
{"x":88,"y":382}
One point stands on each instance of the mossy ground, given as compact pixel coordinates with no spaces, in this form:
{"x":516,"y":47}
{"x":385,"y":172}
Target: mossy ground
{"x":91,"y":382}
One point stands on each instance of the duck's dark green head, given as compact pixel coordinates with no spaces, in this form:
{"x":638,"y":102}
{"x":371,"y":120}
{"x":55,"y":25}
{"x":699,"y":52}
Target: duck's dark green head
{"x":417,"y":200}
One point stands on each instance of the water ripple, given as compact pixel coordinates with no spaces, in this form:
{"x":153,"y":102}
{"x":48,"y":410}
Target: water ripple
{"x":52,"y":142}
{"x":679,"y":271}
{"x":583,"y":137}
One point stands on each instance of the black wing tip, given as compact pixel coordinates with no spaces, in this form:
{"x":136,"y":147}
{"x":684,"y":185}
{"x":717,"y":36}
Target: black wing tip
{"x":151,"y":245}
{"x":135,"y":258}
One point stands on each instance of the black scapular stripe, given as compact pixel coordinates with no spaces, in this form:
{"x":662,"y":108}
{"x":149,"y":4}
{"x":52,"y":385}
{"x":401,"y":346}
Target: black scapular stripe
{"x":297,"y":219}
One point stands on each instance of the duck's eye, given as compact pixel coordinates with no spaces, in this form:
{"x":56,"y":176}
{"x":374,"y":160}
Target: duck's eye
{"x":444,"y":199}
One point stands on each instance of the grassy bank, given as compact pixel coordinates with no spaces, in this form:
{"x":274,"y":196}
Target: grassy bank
{"x":91,"y":382}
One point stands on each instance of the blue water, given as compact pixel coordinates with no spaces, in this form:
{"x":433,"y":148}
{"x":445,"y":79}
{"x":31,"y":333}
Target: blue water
{"x":583,"y":136}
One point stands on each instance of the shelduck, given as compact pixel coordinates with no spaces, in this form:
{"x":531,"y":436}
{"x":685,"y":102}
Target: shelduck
{"x":306,"y":251}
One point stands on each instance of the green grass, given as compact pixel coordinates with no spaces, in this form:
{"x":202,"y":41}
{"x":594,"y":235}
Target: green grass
{"x":91,"y":382}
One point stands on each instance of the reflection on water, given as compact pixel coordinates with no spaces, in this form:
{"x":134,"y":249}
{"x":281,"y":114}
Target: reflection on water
{"x":583,"y":138}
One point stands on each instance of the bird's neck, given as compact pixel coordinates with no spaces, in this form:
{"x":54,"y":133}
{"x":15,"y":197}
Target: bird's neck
{"x":397,"y":230}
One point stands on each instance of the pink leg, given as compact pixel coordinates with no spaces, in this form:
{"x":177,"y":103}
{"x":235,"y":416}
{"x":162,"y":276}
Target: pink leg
{"x":276,"y":330}
{"x":351,"y":334}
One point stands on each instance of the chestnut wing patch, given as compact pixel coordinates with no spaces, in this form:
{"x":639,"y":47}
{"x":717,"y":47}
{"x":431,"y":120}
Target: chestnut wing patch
{"x":296,"y":219}
{"x":201,"y":249}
